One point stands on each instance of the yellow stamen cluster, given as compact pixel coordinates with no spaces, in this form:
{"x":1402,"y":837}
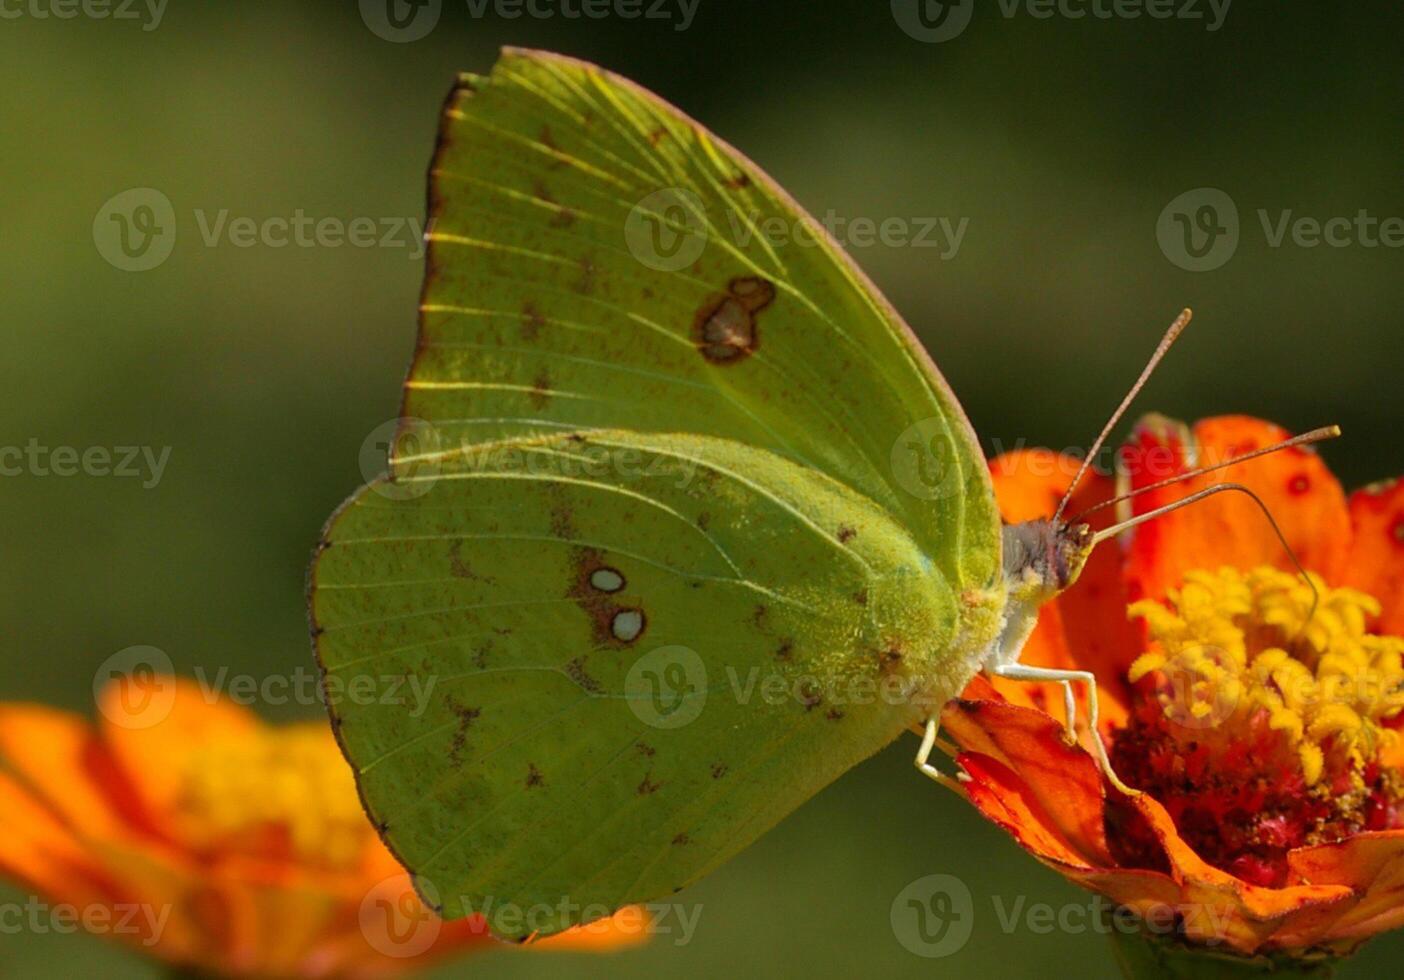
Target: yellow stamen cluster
{"x":286,"y":787}
{"x":1236,"y":645}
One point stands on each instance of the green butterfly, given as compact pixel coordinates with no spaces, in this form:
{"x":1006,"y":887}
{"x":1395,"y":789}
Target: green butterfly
{"x":680,"y":524}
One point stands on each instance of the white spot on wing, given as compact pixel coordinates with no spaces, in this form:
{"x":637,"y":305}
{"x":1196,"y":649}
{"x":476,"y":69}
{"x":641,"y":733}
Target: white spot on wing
{"x":606,"y":580}
{"x":627,"y":625}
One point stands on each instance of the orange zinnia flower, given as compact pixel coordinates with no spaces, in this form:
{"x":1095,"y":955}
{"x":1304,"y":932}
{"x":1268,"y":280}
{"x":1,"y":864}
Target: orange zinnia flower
{"x":221,"y":845}
{"x":1258,"y":715}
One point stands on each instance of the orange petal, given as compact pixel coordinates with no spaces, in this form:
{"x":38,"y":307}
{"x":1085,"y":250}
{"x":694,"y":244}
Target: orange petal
{"x":1233,"y":912}
{"x":1024,"y":800}
{"x":1048,"y":796}
{"x":628,"y":927}
{"x":152,"y":727}
{"x":39,"y":850}
{"x":1376,"y":561}
{"x":1006,"y":800}
{"x":1229,"y":529}
{"x":125,"y":879}
{"x":1371,"y":865}
{"x":158,"y":881}
{"x":1086,"y":627}
{"x":350,"y":955}
{"x":1054,"y":805}
{"x":271,"y":925}
{"x":1030,"y":483}
{"x":1355,"y":862}
{"x":53,"y":752}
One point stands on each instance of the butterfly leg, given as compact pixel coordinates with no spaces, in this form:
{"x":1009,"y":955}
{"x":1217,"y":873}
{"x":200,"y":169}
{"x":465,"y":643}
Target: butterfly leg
{"x":928,"y":742}
{"x":1022,"y":672}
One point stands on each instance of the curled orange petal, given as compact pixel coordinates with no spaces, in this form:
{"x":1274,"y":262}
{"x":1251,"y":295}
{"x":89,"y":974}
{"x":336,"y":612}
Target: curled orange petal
{"x":1302,"y":495}
{"x":1060,"y":788}
{"x":1376,"y":562}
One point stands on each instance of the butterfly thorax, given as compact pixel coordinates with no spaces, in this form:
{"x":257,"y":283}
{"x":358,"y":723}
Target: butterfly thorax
{"x":1040,"y":559}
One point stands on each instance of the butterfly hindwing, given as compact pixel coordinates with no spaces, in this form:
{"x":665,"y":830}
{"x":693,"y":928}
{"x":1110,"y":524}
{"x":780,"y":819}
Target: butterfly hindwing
{"x":636,"y":654}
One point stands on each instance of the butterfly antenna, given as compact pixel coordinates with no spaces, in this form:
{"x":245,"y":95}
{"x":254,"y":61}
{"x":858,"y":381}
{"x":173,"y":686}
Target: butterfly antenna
{"x":1305,"y":439}
{"x":1161,"y":350}
{"x":1194,"y":498}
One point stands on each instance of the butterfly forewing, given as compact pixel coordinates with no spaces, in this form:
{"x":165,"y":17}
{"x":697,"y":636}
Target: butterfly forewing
{"x":597,"y":259}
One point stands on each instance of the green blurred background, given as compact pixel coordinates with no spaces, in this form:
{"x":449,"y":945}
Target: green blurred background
{"x":1061,"y":140}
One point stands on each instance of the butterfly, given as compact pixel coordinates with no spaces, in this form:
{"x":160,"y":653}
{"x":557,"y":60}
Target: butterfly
{"x":680,"y":522}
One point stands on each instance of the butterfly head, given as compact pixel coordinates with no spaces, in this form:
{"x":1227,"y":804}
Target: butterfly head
{"x":1046,"y":556}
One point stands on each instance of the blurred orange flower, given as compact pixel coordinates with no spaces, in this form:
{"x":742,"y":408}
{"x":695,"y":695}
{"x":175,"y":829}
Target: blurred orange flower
{"x":1258,"y":716}
{"x":192,"y":831}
